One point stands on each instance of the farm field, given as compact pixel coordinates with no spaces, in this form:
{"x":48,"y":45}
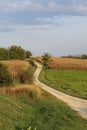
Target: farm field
{"x":68,"y":63}
{"x":73,"y":82}
{"x":66,"y":77}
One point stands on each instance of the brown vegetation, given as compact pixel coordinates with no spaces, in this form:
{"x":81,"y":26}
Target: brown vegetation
{"x":30,"y":91}
{"x":16,"y":66}
{"x":67,"y":63}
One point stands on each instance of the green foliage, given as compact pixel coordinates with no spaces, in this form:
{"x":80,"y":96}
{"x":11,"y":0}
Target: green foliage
{"x":44,"y":114}
{"x":16,"y":52}
{"x":46,"y":58}
{"x":26,"y":76}
{"x":28,"y":54}
{"x":73,"y":82}
{"x":32,"y":62}
{"x":84,"y":56}
{"x":29,"y":129}
{"x":5,"y":76}
{"x":4,"y":54}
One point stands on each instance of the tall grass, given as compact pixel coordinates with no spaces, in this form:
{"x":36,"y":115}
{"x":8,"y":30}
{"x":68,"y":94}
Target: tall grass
{"x":30,"y":91}
{"x":16,"y":67}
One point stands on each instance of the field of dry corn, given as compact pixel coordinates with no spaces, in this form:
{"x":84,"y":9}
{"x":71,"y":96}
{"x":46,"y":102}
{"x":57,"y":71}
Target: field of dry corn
{"x":16,"y":66}
{"x":67,"y":63}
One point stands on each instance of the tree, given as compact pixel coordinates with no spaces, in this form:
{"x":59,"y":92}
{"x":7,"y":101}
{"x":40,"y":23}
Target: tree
{"x":28,"y":54}
{"x":84,"y":56}
{"x":16,"y":52}
{"x":46,"y":58}
{"x":4,"y":54}
{"x":5,"y":76}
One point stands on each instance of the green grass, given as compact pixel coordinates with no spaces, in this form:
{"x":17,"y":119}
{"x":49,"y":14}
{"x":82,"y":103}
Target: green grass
{"x":46,"y":113}
{"x":73,"y":82}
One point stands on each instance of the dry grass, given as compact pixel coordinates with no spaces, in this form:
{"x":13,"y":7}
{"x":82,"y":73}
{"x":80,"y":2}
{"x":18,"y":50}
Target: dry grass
{"x":67,"y":63}
{"x":30,"y":91}
{"x":16,"y":66}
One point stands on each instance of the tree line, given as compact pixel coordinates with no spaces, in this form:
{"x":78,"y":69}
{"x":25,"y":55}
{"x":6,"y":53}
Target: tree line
{"x":83,"y":56}
{"x":14,"y":52}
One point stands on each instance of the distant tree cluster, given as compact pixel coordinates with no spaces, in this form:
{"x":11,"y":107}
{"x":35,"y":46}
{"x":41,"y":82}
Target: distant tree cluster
{"x":14,"y":52}
{"x":84,"y":56}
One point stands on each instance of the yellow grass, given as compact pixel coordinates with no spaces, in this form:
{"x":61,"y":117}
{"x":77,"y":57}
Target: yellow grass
{"x":15,"y":67}
{"x":31,"y":91}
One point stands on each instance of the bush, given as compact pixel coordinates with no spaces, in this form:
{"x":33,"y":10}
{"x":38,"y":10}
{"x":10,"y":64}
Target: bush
{"x":32,"y":62}
{"x":5,"y":76}
{"x":27,"y":76}
{"x":4,"y":54}
{"x":16,"y":52}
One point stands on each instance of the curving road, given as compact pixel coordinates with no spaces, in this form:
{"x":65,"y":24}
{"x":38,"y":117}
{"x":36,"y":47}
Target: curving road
{"x":79,"y":105}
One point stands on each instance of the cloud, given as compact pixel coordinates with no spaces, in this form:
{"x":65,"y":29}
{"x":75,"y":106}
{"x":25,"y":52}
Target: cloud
{"x":45,"y":6}
{"x":39,"y":13}
{"x":29,"y":27}
{"x":55,"y":20}
{"x":6,"y":29}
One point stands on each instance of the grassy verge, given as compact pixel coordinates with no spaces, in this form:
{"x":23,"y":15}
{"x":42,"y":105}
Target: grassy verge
{"x":73,"y":82}
{"x":43,"y":112}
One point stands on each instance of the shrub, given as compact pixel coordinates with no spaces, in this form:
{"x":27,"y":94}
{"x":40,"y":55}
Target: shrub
{"x":32,"y":62}
{"x":26,"y":76}
{"x":16,"y":52}
{"x":4,"y":54}
{"x":5,"y":76}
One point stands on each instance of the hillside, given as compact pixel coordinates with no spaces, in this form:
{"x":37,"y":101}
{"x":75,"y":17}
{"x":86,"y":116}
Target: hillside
{"x":43,"y":112}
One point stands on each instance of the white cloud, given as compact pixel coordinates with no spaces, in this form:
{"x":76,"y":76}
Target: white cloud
{"x":39,"y":12}
{"x":29,"y":27}
{"x":52,"y":20}
{"x":82,"y":8}
{"x":52,"y":5}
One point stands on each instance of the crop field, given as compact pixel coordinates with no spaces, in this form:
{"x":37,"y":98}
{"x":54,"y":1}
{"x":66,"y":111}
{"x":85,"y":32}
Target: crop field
{"x":66,"y":63}
{"x":73,"y":82}
{"x":16,"y":66}
{"x":68,"y":75}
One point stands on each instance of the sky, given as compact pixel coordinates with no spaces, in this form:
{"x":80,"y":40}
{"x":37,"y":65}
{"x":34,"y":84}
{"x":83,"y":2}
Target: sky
{"x":58,"y":27}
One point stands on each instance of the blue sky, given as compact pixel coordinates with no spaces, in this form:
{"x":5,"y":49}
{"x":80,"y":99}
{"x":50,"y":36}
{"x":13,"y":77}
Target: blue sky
{"x":55,"y":26}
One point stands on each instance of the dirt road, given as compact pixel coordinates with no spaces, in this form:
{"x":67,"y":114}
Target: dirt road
{"x":77,"y":104}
